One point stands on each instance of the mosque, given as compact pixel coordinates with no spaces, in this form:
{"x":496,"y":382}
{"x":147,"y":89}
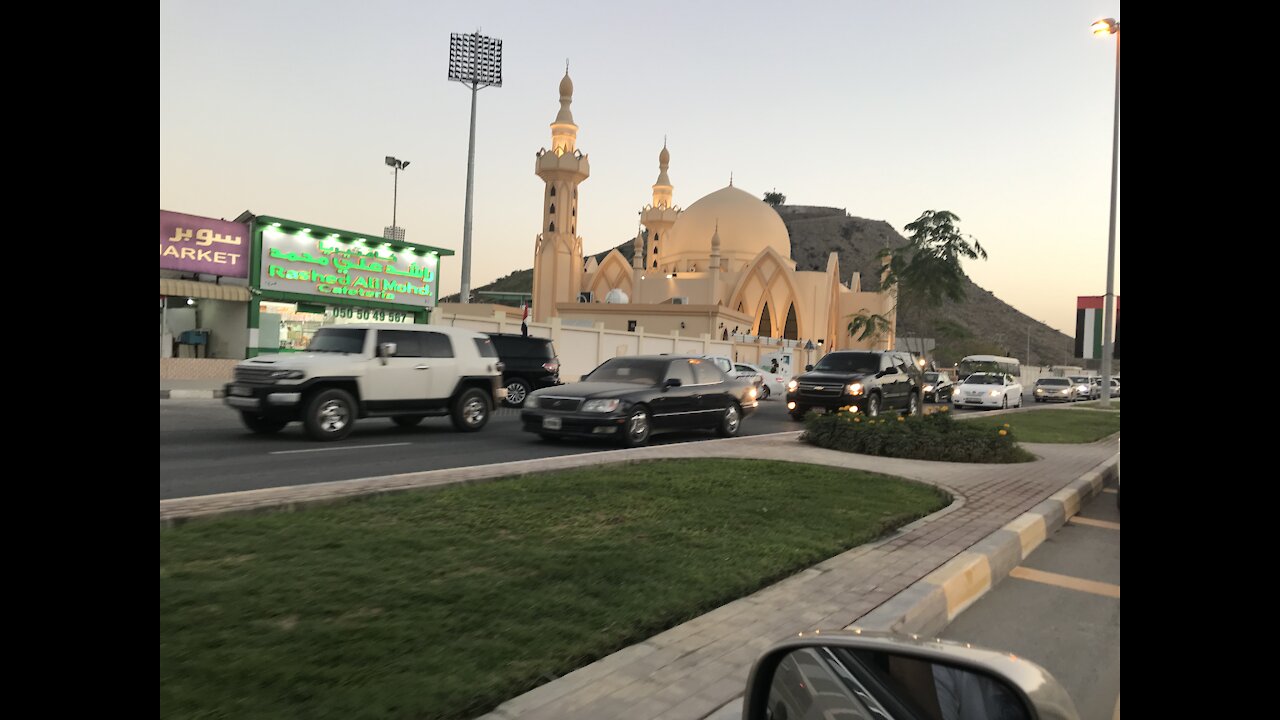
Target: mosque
{"x":721,"y":266}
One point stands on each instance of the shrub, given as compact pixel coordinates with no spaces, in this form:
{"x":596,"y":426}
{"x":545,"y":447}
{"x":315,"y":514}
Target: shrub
{"x":932,"y":437}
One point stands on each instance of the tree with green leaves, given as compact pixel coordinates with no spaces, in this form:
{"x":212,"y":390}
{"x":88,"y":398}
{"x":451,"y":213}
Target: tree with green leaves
{"x":775,"y":198}
{"x":924,"y":272}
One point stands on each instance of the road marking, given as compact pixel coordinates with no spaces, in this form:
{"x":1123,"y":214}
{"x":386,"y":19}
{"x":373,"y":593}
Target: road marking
{"x":1109,"y":490}
{"x":344,"y":447}
{"x":1077,"y":520}
{"x":1066,"y":581}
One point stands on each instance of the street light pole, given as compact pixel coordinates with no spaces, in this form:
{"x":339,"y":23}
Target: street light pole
{"x":394,"y":232}
{"x":1111,"y":27}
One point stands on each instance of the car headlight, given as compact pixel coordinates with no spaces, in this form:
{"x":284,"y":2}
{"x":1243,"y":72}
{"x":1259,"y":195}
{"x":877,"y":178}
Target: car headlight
{"x":1039,"y":390}
{"x":994,"y":393}
{"x":928,"y":388}
{"x":855,"y":388}
{"x":601,"y":406}
{"x":791,"y":386}
{"x":751,"y":392}
{"x":287,"y":375}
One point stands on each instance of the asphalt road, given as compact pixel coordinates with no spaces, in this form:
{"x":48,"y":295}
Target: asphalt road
{"x":1061,"y":610}
{"x":205,"y":450}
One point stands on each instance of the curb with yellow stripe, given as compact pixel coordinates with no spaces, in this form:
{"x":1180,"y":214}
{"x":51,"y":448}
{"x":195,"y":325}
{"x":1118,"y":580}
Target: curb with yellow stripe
{"x":929,"y":605}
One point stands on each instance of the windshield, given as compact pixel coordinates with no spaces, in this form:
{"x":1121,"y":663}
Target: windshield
{"x":1053,"y":381}
{"x":1081,"y":380}
{"x":849,"y":362}
{"x":629,"y":370}
{"x":984,"y":379}
{"x":339,"y":340}
{"x":931,"y":377}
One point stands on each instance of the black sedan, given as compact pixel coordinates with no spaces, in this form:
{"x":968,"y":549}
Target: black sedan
{"x":629,"y":399}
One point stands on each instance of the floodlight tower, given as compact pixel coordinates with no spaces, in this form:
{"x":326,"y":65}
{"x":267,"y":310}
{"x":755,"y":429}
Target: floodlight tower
{"x":474,"y":60}
{"x":395,"y":232}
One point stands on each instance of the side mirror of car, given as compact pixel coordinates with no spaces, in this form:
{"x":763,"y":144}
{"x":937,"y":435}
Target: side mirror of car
{"x":807,"y":368}
{"x":671,"y":382}
{"x":386,"y":350}
{"x":584,"y":377}
{"x":872,"y":674}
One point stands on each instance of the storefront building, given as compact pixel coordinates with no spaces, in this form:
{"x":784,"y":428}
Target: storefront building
{"x":204,"y":286}
{"x":305,"y":277}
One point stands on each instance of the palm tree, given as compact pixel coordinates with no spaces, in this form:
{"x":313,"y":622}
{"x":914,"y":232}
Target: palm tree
{"x":924,"y":272}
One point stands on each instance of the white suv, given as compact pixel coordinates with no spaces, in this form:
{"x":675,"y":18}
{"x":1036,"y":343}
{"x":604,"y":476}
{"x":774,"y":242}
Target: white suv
{"x":404,"y":372}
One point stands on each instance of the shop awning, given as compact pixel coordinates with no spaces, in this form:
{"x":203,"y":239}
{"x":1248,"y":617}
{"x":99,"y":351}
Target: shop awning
{"x":193,"y":289}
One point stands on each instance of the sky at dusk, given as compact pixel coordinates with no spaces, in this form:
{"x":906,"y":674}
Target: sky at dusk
{"x":1000,"y":111}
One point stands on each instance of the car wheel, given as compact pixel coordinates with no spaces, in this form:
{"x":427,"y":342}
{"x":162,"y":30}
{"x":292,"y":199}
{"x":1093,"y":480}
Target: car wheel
{"x":517,"y":393}
{"x":470,"y":410}
{"x":407,"y":420}
{"x":635,"y":431}
{"x":331,"y":414}
{"x":913,"y":404}
{"x":764,"y":392}
{"x":730,"y":422}
{"x":261,"y":424}
{"x":873,"y":405}
{"x":1004,"y":403}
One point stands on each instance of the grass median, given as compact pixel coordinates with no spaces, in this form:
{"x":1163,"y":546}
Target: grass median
{"x":442,"y":604}
{"x":1064,"y":425}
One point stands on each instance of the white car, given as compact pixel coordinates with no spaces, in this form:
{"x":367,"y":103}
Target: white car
{"x":771,"y":383}
{"x":985,"y":390}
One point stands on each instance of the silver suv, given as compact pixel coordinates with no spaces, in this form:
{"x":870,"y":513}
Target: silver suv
{"x":402,"y":372}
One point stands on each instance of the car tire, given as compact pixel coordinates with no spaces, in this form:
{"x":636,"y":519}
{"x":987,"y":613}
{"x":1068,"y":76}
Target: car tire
{"x":764,"y":392}
{"x":548,"y":437}
{"x":1004,"y":403}
{"x":873,"y":405}
{"x":516,"y":388}
{"x":406,"y":421}
{"x":261,"y":424}
{"x":470,"y":411}
{"x":913,"y":405}
{"x":730,"y":422}
{"x":330,"y":415}
{"x":637,"y":429}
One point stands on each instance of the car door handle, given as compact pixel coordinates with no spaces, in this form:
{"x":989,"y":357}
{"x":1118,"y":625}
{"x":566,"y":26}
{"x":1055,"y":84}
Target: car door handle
{"x":422,"y":367}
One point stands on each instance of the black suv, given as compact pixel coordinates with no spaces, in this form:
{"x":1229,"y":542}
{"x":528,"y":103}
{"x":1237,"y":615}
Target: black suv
{"x":531,"y":364}
{"x":871,"y":381}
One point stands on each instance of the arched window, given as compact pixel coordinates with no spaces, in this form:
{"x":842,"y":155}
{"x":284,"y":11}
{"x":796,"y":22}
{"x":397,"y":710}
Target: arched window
{"x":573,"y":228}
{"x":655,"y":237}
{"x":789,"y":331}
{"x":575,"y":211}
{"x":655,"y":264}
{"x":766,"y":324}
{"x":740,"y":307}
{"x":552,"y":226}
{"x":552,"y":210}
{"x":553,"y":191}
{"x":655,"y":249}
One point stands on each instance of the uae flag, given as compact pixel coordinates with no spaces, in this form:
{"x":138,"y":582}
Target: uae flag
{"x":1090,"y":320}
{"x":524,"y":318}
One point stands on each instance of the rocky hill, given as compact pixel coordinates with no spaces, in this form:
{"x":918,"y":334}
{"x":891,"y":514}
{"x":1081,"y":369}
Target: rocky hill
{"x":981,"y":324}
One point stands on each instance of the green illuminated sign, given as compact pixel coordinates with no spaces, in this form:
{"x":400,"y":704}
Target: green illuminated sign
{"x":301,"y":263}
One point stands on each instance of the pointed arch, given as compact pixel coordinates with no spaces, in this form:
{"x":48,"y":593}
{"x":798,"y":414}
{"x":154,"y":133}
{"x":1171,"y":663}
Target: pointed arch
{"x":614,"y":272}
{"x":764,"y":325}
{"x":789,"y":330}
{"x":766,"y":272}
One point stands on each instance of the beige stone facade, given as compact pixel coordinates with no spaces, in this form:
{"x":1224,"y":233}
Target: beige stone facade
{"x":721,"y":266}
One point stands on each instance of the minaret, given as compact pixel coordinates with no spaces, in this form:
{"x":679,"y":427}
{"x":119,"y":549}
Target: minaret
{"x":557,"y":259}
{"x":713,"y":273}
{"x":637,"y":265}
{"x":661,"y":215}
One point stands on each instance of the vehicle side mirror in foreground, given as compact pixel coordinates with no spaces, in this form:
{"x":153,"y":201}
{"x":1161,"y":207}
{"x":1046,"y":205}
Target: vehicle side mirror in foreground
{"x":671,"y":382}
{"x":584,"y":378}
{"x":807,"y":368}
{"x":872,"y":674}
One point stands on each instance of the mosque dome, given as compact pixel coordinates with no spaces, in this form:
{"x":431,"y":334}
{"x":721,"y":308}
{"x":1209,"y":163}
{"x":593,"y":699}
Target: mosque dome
{"x":746,"y":225}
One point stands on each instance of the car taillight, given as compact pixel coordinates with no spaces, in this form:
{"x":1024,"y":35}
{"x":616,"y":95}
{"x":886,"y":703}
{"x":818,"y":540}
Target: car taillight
{"x":552,"y":367}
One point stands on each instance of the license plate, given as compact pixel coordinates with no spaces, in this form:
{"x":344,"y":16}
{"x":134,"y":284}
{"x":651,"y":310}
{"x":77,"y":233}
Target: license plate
{"x":820,"y":410}
{"x":241,"y":391}
{"x":975,"y":401}
{"x":550,"y":423}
